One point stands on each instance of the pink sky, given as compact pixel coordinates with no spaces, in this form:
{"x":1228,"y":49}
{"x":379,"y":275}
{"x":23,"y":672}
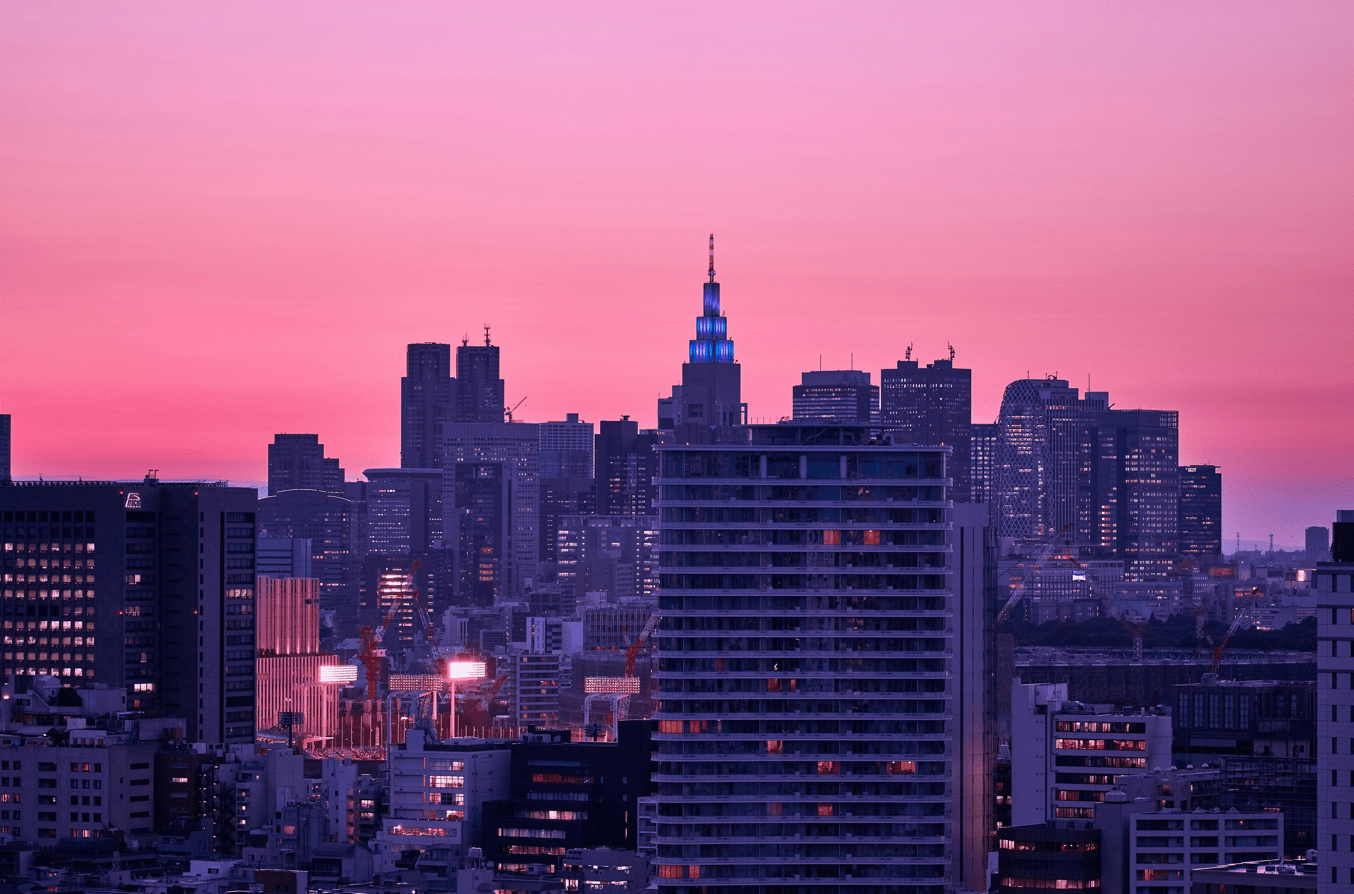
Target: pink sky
{"x":221,"y":222}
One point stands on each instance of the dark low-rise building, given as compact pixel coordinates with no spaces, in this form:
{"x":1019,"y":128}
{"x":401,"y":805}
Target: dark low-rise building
{"x":1062,"y":854}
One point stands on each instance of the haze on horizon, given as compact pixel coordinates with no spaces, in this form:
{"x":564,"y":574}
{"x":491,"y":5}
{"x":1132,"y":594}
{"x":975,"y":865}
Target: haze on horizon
{"x":221,"y":223}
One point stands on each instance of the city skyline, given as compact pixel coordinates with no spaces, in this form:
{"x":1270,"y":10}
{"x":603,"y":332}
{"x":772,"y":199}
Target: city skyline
{"x":184,"y":299}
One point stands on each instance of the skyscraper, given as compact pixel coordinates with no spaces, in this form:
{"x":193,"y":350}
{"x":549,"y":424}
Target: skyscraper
{"x":708,"y":403}
{"x":626,"y":465}
{"x":983,"y":451}
{"x":1335,"y":710}
{"x":518,"y":446}
{"x":1318,"y":543}
{"x":566,"y":448}
{"x":427,"y":403}
{"x":1038,"y":462}
{"x":5,"y":443}
{"x":820,"y":728}
{"x":931,"y":405}
{"x":481,"y":499}
{"x":836,"y":395}
{"x":333,"y":526}
{"x":479,"y":390}
{"x":156,"y":595}
{"x":298,"y":461}
{"x":1201,"y":514}
{"x":404,"y":510}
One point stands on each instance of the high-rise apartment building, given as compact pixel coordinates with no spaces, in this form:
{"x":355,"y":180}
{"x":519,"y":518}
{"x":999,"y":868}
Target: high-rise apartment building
{"x":626,"y":466}
{"x":143,"y":585}
{"x":1335,"y":710}
{"x":931,"y":405}
{"x":708,"y":403}
{"x":823,"y":723}
{"x":404,"y":510}
{"x":427,"y":403}
{"x":298,"y":461}
{"x":836,"y":395}
{"x":1200,"y":514}
{"x":518,"y":446}
{"x":5,"y":448}
{"x":566,"y":448}
{"x":289,"y":660}
{"x":983,"y":451}
{"x":479,"y":390}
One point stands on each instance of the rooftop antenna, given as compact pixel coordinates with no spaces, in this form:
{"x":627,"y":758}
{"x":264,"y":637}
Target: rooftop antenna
{"x":853,"y":359}
{"x":465,"y":339}
{"x":951,"y":347}
{"x":907,"y":355}
{"x":712,"y":257}
{"x":486,"y":335}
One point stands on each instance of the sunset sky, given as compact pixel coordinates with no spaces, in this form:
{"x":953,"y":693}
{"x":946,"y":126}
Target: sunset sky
{"x":218,"y":222}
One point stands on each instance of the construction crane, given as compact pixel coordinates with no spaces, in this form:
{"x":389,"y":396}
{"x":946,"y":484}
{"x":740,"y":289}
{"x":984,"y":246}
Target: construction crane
{"x":1018,"y":593}
{"x":1241,"y":614}
{"x":372,"y":653}
{"x":508,"y":412}
{"x":617,"y":690}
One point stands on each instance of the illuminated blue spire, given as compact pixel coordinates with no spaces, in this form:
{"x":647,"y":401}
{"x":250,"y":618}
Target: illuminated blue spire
{"x":711,"y":344}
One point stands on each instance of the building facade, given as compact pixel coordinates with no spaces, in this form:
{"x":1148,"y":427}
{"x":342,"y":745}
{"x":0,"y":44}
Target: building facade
{"x":427,"y":403}
{"x":147,"y":586}
{"x":931,"y":405}
{"x":810,"y":733}
{"x":289,"y":660}
{"x":1335,"y":710}
{"x":836,"y":395}
{"x":479,"y":390}
{"x":566,"y":448}
{"x":298,"y":461}
{"x":1200,"y":522}
{"x":404,"y":510}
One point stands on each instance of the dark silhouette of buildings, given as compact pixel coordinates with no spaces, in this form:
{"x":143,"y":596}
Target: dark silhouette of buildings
{"x":479,"y":390}
{"x":708,"y":403}
{"x":482,"y":505}
{"x":566,"y":448}
{"x":562,"y":497}
{"x":159,"y":596}
{"x":335,"y":527}
{"x":404,"y":510}
{"x":931,"y":405}
{"x":1318,"y":543}
{"x":298,"y":461}
{"x":983,"y":452}
{"x":626,"y":465}
{"x":427,"y":403}
{"x":1201,"y":514}
{"x":5,"y":446}
{"x":836,"y":395}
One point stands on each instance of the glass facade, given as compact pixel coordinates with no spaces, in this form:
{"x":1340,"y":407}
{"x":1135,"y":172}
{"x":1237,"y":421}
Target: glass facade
{"x":805,"y":738}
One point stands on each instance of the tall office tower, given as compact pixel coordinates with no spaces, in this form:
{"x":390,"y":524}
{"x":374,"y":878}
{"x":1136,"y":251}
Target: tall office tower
{"x":1040,"y":432}
{"x":404,"y":510}
{"x":566,"y":448}
{"x":931,"y":405}
{"x":1335,"y":710}
{"x":479,"y":390}
{"x":983,"y":451}
{"x":5,"y":446}
{"x":285,"y":557}
{"x":1200,"y":514}
{"x":333,"y":525}
{"x":561,"y":497}
{"x":626,"y":467}
{"x":821,"y":727}
{"x":427,"y":402}
{"x":289,"y":660}
{"x":518,"y":446}
{"x":156,"y":595}
{"x":836,"y":395}
{"x":481,"y":499}
{"x":1318,"y":543}
{"x":1128,"y":489}
{"x":708,"y":403}
{"x":298,"y":461}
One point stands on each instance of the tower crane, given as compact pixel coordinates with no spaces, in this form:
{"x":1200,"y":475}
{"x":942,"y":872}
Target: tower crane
{"x":617,"y":690}
{"x":1241,"y":614}
{"x":508,"y":412}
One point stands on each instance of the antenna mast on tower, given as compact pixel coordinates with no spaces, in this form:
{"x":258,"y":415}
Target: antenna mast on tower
{"x":712,"y":257}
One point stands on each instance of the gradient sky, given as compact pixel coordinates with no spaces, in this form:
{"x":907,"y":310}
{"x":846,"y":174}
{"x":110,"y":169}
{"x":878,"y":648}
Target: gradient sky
{"x":218,"y":222}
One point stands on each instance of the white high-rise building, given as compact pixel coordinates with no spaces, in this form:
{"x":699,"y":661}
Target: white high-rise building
{"x":566,"y":448}
{"x":822,"y":668}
